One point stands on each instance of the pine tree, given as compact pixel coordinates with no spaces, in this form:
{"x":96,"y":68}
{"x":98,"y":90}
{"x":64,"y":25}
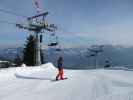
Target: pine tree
{"x":29,"y":55}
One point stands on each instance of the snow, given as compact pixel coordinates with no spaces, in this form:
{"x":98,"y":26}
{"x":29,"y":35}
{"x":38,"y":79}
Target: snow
{"x":4,"y":61}
{"x":36,"y":83}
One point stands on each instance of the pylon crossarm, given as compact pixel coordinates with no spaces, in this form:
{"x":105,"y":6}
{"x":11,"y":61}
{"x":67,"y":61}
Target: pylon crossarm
{"x":39,"y":15}
{"x":27,"y":27}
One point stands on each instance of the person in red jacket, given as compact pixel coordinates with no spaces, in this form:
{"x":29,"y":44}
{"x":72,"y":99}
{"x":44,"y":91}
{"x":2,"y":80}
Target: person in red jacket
{"x":60,"y":69}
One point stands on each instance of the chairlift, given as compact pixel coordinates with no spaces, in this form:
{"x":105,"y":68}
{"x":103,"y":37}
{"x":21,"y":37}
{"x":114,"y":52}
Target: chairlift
{"x":58,"y":49}
{"x":53,"y":44}
{"x":53,"y":40}
{"x":92,"y":55}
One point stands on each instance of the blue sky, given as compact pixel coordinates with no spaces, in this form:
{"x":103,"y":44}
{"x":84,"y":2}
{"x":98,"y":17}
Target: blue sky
{"x":80,"y":22}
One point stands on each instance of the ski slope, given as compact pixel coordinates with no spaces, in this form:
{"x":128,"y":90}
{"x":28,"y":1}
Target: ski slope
{"x":36,"y":83}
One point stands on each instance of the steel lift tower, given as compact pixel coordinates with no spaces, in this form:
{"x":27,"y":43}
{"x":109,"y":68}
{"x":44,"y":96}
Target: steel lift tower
{"x":37,"y":24}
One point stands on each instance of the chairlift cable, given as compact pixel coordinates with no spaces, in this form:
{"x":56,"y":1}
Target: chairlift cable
{"x":7,"y":22}
{"x":12,"y":13}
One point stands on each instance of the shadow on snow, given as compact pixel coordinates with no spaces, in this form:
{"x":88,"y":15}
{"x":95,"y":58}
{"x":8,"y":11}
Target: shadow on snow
{"x":31,"y":77}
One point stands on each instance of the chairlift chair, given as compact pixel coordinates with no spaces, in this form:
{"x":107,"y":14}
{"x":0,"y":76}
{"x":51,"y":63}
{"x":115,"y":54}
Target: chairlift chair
{"x":53,"y":44}
{"x":58,"y":49}
{"x":53,"y":40}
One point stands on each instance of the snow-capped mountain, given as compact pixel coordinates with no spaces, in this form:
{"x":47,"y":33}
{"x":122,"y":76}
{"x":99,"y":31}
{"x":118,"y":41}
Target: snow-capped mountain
{"x":78,"y":57}
{"x":10,"y":53}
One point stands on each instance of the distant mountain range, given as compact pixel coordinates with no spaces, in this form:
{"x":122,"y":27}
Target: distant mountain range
{"x":10,"y":53}
{"x":78,"y":57}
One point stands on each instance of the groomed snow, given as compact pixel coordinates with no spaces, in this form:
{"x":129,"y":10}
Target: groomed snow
{"x":36,"y":83}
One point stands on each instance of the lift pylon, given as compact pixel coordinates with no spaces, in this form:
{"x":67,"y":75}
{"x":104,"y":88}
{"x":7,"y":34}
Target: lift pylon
{"x":37,"y":24}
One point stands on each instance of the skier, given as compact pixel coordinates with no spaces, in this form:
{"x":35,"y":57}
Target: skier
{"x":60,"y":69}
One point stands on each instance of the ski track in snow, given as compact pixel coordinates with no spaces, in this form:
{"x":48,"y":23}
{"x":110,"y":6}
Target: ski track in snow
{"x":36,"y":84}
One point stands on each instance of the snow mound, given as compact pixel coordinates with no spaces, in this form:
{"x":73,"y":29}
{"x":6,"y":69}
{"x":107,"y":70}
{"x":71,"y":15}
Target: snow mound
{"x":44,"y":72}
{"x":23,"y":65}
{"x":47,"y":71}
{"x":48,"y":66}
